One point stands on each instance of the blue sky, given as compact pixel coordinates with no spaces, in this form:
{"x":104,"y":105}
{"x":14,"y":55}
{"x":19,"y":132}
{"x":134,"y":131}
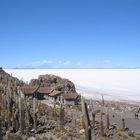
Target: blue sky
{"x":69,"y":33}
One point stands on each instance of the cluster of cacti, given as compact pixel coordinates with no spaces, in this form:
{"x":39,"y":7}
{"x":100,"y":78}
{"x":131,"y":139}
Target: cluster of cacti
{"x":15,"y":114}
{"x":19,"y":114}
{"x":93,"y":115}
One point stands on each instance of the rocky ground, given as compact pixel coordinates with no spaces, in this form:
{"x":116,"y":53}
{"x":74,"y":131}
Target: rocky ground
{"x":117,"y":111}
{"x":44,"y":120}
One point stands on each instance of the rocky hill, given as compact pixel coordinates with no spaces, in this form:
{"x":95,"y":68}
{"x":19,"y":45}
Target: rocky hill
{"x":6,"y":78}
{"x":54,"y":81}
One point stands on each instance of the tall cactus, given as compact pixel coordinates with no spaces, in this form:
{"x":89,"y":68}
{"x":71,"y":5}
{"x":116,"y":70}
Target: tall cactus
{"x":34,"y":113}
{"x":107,"y":120}
{"x":16,"y":117}
{"x":93,"y":113}
{"x":103,"y":102}
{"x":86,"y":120}
{"x":13,"y":119}
{"x":123,"y":124}
{"x":9,"y":110}
{"x":21,"y":115}
{"x":27,"y":122}
{"x":5,"y":100}
{"x":61,"y":116}
{"x":54,"y":112}
{"x":1,"y":137}
{"x":2,"y":101}
{"x":0,"y":109}
{"x":93,"y":118}
{"x":101,"y":125}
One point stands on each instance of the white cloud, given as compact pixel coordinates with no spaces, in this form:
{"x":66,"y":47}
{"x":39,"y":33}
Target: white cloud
{"x":43,"y":63}
{"x":56,"y":64}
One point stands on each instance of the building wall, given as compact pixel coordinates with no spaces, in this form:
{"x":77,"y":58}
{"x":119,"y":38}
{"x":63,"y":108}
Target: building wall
{"x":46,"y":97}
{"x":60,"y":99}
{"x":68,"y":102}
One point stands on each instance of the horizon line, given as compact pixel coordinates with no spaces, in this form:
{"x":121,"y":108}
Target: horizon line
{"x":79,"y":68}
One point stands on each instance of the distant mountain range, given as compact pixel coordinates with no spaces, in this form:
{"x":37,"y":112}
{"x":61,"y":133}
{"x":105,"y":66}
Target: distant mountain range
{"x":75,"y":68}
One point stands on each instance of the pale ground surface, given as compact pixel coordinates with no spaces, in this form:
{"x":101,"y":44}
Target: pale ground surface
{"x":114,"y":84}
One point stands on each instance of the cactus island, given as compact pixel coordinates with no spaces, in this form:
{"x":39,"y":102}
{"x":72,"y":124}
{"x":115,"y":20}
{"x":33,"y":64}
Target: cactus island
{"x":49,"y":108}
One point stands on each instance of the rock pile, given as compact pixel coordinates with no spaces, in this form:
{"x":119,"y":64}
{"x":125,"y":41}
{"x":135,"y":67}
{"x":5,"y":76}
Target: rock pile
{"x":57,"y":82}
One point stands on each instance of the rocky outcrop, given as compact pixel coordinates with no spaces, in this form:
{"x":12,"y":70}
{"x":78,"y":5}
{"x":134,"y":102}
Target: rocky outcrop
{"x":57,"y":82}
{"x":5,"y":78}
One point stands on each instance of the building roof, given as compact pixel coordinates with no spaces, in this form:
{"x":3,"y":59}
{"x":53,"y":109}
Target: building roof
{"x":29,"y":89}
{"x":70,"y":96}
{"x":55,"y":93}
{"x":45,"y":90}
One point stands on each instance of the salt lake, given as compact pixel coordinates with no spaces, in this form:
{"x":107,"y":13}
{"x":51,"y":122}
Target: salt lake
{"x":114,"y":84}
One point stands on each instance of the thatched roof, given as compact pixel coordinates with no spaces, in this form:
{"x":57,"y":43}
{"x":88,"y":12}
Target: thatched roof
{"x":45,"y":90}
{"x":70,"y":96}
{"x":33,"y":89}
{"x":29,"y":89}
{"x":55,"y":93}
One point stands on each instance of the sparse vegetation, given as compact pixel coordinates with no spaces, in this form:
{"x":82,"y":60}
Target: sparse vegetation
{"x":24,"y":118}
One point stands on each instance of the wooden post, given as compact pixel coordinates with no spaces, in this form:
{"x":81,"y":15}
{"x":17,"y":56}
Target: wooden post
{"x":86,"y":119}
